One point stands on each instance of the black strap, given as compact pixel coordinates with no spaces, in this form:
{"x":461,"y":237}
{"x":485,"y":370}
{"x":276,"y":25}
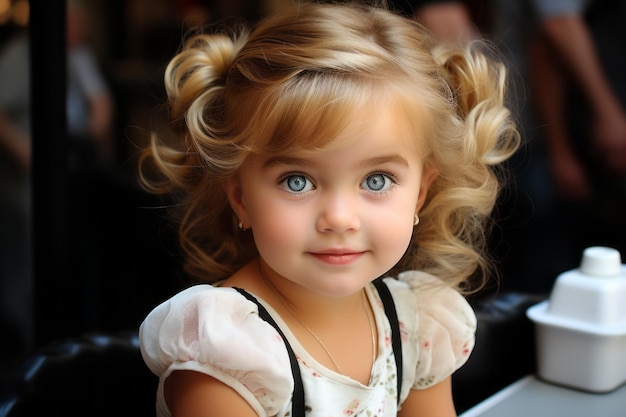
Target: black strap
{"x":297,"y":398}
{"x":392,"y":316}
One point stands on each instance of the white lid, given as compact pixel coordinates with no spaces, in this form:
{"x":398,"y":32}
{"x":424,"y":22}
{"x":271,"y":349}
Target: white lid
{"x":601,"y":261}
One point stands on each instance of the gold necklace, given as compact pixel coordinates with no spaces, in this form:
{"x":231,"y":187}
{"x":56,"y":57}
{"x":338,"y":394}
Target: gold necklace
{"x":283,"y":301}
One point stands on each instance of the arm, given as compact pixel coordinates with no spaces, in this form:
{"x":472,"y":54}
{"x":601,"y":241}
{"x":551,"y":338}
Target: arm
{"x":548,"y":89}
{"x":192,"y":394}
{"x":572,"y":39}
{"x":573,"y":42}
{"x":15,"y":142}
{"x":435,"y":401}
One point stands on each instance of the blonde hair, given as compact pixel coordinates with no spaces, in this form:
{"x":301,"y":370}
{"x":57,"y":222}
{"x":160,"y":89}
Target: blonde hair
{"x":296,"y":80}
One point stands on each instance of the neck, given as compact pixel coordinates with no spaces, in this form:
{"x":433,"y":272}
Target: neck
{"x":327,"y":328}
{"x":305,"y":303}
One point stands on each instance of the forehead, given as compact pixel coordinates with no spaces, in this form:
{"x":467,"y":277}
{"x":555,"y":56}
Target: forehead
{"x":373,"y":135}
{"x":384,"y":125}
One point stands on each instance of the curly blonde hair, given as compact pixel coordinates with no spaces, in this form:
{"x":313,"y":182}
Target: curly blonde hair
{"x":296,"y":80}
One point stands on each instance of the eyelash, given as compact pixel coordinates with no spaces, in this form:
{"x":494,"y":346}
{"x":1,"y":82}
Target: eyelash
{"x":387,"y":174}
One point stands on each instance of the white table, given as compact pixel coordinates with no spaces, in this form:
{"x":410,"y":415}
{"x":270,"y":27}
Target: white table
{"x":531,"y":397}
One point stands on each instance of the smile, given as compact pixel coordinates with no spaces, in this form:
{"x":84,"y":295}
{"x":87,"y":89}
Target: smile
{"x":338,"y":258}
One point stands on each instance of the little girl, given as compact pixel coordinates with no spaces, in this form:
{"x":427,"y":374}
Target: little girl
{"x":329,"y":147}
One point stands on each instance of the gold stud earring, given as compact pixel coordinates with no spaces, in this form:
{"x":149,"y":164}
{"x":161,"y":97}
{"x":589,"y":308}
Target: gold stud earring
{"x":416,"y":220}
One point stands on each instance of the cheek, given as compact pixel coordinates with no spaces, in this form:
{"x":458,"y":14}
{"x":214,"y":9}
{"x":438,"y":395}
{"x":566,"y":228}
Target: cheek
{"x":275,"y":229}
{"x":392,"y":235}
{"x":398,"y":232}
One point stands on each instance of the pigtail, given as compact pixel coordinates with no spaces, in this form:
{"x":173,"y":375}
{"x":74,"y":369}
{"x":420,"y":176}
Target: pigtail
{"x":192,"y":164}
{"x":194,"y":82}
{"x":478,"y":82}
{"x":198,"y":72}
{"x":478,"y":138}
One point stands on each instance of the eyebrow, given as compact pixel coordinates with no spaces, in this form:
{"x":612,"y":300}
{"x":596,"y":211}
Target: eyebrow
{"x":386,"y":159}
{"x":378,"y":160}
{"x":284,"y":160}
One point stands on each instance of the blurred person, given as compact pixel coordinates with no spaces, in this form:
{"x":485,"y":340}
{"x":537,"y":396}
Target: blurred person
{"x":577,"y":62}
{"x":89,"y":112}
{"x":568,"y":59}
{"x":566,"y":49}
{"x":16,"y":274}
{"x":89,"y":102}
{"x":91,"y":161}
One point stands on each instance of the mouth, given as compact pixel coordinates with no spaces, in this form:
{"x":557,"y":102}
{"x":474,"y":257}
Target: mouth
{"x":343,"y":257}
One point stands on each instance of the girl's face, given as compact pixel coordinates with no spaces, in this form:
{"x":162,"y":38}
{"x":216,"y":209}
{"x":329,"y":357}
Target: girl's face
{"x":334,"y":221}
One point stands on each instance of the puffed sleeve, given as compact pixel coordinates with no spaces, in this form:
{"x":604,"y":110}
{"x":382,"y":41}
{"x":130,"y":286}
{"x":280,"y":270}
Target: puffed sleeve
{"x":438,"y":328}
{"x":218,"y":332}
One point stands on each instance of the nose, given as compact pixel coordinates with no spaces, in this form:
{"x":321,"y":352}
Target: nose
{"x":338,"y":213}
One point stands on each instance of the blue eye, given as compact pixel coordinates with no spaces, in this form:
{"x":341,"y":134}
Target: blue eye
{"x":377,"y":182}
{"x":296,"y":183}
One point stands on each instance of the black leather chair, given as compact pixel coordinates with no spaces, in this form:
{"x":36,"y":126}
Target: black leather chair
{"x":96,"y":374}
{"x":504,"y":350}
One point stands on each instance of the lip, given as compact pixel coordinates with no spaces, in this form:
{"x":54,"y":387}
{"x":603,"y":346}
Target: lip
{"x":338,"y":257}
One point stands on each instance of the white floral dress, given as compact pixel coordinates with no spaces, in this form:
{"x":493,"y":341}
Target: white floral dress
{"x":218,"y":332}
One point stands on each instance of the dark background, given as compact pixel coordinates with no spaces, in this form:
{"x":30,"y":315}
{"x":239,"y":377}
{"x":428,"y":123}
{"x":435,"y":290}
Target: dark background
{"x":104,"y":255}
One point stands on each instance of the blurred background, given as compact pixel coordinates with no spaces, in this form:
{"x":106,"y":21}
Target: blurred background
{"x":84,"y":248}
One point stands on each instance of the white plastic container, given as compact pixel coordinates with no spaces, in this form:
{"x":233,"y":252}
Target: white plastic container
{"x":581,"y":329}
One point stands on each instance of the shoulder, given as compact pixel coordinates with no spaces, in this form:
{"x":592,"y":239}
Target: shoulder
{"x":438,"y":328}
{"x":218,"y":332}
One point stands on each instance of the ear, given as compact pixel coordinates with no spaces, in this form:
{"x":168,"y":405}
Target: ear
{"x":234,"y":193}
{"x":428,"y":176}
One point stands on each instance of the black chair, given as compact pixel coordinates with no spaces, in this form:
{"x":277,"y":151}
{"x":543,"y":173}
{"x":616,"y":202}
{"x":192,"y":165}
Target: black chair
{"x":504,"y":350}
{"x":92,"y":375}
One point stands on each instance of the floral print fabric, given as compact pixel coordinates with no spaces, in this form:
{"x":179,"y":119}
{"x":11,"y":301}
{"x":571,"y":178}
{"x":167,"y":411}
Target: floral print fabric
{"x":197,"y":329}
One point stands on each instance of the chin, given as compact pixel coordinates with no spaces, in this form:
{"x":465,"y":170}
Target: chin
{"x":342,"y":289}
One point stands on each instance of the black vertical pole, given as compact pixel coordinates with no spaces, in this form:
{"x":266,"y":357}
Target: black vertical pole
{"x":50,"y":191}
